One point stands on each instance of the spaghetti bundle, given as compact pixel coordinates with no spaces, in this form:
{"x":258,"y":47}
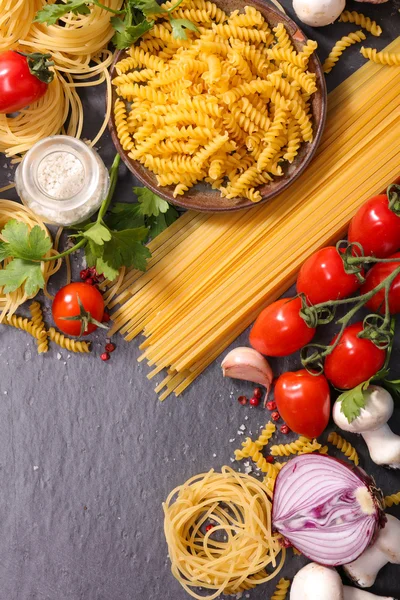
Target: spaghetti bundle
{"x":78,"y":47}
{"x":12,"y":210}
{"x":239,"y":551}
{"x":210,"y":275}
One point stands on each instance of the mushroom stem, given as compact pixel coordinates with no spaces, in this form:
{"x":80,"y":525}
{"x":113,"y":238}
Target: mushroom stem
{"x":351,"y":593}
{"x":383,"y":446}
{"x":365,"y":569}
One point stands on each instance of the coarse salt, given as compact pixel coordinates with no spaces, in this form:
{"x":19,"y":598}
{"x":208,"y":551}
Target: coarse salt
{"x":61,"y":175}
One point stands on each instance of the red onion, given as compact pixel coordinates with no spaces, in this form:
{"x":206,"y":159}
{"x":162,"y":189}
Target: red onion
{"x":327,"y":509}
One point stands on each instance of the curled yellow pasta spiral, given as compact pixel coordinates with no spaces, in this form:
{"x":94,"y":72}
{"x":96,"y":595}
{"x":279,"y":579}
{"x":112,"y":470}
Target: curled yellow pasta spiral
{"x":134,"y":77}
{"x":197,"y":15}
{"x":283,"y":37}
{"x":216,"y":169}
{"x":152,"y":45}
{"x":188,"y":182}
{"x":243,"y":121}
{"x":305,"y":80}
{"x":303,"y":120}
{"x":35,"y":331}
{"x":281,"y":590}
{"x":273,"y":140}
{"x":313,"y":446}
{"x":212,"y":9}
{"x":244,"y":181}
{"x":169,"y":76}
{"x":241,"y":65}
{"x":209,"y":149}
{"x":288,"y":449}
{"x":175,"y":163}
{"x":251,"y":53}
{"x":245,"y":89}
{"x":393,"y":499}
{"x":361,"y":20}
{"x":344,"y":446}
{"x":265,"y":435}
{"x":243,"y":33}
{"x":288,"y":56}
{"x":382,"y":58}
{"x":284,"y":87}
{"x":309,"y":49}
{"x":210,"y":46}
{"x":340,"y":47}
{"x":199,"y":103}
{"x":294,"y":141}
{"x":151,"y":141}
{"x":121,"y":124}
{"x":37,"y":318}
{"x":129,"y":91}
{"x":142,"y":58}
{"x":249,"y":18}
{"x":195,"y":133}
{"x":67,"y":343}
{"x":253,"y":195}
{"x":187,"y":117}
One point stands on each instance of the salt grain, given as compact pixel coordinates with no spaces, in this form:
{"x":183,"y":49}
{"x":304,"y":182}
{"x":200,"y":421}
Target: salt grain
{"x":61,"y":175}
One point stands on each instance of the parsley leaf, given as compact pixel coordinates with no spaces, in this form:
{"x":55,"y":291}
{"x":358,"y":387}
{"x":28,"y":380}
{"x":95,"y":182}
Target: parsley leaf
{"x":25,"y":244}
{"x":50,"y":13}
{"x":148,"y":7}
{"x":164,"y":220}
{"x":179,"y":27}
{"x":124,"y":249}
{"x":352,"y":401}
{"x":3,"y":251}
{"x":124,"y":216}
{"x":126,"y":35}
{"x":97,"y":232}
{"x":20,"y":271}
{"x":150,"y":203}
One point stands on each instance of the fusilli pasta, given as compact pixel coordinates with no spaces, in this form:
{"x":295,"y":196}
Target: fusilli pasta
{"x":366,"y":23}
{"x":288,"y":449}
{"x":344,"y":446}
{"x":229,"y":104}
{"x":340,"y":47}
{"x":37,"y":319}
{"x":24,"y":324}
{"x":281,"y":590}
{"x":67,"y":343}
{"x":265,"y":435}
{"x":382,"y":58}
{"x":393,"y":499}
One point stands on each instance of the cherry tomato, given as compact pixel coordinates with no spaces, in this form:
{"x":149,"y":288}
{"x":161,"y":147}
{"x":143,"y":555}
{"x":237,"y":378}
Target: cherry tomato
{"x":375,"y":276}
{"x":66,"y":304}
{"x":279,"y":329}
{"x":322,"y":277}
{"x":19,"y":87}
{"x":376,"y":228}
{"x":303,"y":400}
{"x":354,"y":359}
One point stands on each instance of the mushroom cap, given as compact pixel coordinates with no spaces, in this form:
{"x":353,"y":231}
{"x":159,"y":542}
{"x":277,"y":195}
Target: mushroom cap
{"x":378,"y":409}
{"x":316,"y":582}
{"x":388,"y":540}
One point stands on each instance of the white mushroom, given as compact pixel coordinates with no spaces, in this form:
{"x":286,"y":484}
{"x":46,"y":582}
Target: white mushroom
{"x":318,"y":13}
{"x":383,"y":444}
{"x":386,"y":549}
{"x":315,"y":582}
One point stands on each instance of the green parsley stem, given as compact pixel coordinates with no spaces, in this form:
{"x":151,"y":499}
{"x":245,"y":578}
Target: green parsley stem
{"x":66,"y":253}
{"x":111,"y":10}
{"x":113,"y":183}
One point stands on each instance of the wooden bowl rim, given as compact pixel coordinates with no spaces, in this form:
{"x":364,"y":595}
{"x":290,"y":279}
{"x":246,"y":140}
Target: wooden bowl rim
{"x":285,"y":182}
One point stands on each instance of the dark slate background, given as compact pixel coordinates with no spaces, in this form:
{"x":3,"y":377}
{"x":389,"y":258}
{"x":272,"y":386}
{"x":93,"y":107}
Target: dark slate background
{"x":88,"y":453}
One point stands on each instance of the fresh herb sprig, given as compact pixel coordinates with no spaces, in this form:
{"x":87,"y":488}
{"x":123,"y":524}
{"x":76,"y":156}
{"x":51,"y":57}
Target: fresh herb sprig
{"x":130,"y":23}
{"x":110,"y":242}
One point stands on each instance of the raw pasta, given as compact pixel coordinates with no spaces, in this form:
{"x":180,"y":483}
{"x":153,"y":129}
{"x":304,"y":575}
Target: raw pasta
{"x":13,"y":210}
{"x":35,"y":331}
{"x":265,"y":435}
{"x":288,"y":449}
{"x":78,"y":47}
{"x":393,"y":499}
{"x":340,"y":47}
{"x":225,"y":80}
{"x":344,"y":446}
{"x":37,"y":318}
{"x":281,"y":590}
{"x":239,"y":506}
{"x":68,"y":343}
{"x":382,"y":58}
{"x":361,"y":20}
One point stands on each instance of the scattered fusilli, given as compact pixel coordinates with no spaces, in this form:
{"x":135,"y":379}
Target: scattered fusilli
{"x":344,"y":446}
{"x":37,"y":318}
{"x":382,"y":58}
{"x":393,"y":499}
{"x":340,"y":47}
{"x":313,"y":446}
{"x":366,"y":23}
{"x":265,"y":435}
{"x":68,"y":343}
{"x":35,"y":331}
{"x":243,"y":88}
{"x":281,"y":590}
{"x":288,"y":449}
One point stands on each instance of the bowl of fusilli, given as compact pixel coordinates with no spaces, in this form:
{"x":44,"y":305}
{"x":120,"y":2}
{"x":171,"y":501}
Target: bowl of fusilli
{"x":228,"y":117}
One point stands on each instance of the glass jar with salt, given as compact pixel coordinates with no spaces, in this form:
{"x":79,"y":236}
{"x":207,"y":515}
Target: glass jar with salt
{"x":62,"y":180}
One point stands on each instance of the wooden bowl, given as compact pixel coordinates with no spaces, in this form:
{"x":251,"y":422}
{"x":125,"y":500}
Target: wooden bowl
{"x":202,"y":197}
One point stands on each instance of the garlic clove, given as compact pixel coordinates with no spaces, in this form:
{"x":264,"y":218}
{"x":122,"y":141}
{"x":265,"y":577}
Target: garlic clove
{"x":249,"y":365}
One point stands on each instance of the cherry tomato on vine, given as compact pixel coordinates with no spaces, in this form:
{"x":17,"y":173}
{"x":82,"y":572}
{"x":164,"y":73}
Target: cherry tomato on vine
{"x":84,"y":303}
{"x":279,"y":329}
{"x":23,"y":79}
{"x":376,"y":228}
{"x":303,"y":401}
{"x":375,"y":276}
{"x":322,"y":277}
{"x":354,"y":359}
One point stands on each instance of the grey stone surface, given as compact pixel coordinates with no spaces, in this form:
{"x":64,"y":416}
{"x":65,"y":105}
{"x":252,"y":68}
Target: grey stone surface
{"x":88,"y":453}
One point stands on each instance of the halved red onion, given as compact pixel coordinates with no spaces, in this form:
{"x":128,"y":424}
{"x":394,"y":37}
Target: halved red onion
{"x":327,"y":509}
